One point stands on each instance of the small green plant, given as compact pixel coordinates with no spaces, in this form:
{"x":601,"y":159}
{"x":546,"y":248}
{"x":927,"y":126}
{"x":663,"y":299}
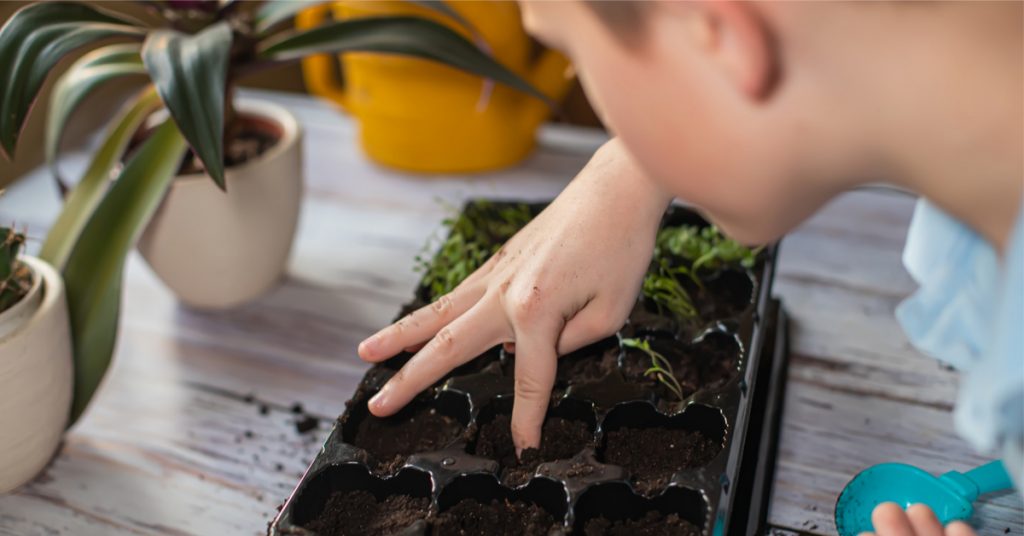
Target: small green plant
{"x":704,"y":247}
{"x":660,"y":368}
{"x":15,"y":277}
{"x":473,"y":236}
{"x":663,"y":286}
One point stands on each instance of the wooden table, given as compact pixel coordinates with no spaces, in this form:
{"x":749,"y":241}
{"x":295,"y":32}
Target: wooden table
{"x":194,"y":430}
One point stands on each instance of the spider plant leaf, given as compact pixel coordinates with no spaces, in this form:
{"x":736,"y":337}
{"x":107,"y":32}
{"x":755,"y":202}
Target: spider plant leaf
{"x":189,"y":72}
{"x":406,"y":36}
{"x":32,"y":41}
{"x":84,"y":198}
{"x":94,"y":268}
{"x":86,"y":74}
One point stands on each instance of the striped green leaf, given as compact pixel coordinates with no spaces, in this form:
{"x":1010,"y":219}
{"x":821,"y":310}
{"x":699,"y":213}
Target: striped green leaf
{"x":85,"y":75}
{"x":32,"y":41}
{"x":190,"y":72}
{"x":95,"y":266}
{"x":83,"y":199}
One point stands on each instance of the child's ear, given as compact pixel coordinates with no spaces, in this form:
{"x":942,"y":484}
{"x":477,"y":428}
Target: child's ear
{"x":736,"y":38}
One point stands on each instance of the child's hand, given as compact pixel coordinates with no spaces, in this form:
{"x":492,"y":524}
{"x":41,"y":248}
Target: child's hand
{"x":567,"y":279}
{"x":890,"y":520}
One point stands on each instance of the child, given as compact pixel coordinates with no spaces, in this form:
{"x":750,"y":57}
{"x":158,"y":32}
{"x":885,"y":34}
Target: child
{"x":759,"y":113}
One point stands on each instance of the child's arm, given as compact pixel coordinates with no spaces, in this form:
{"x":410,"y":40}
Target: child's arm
{"x":567,"y":279}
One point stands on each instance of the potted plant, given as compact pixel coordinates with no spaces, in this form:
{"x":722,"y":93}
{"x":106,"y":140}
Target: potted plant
{"x":35,"y":362}
{"x":209,"y":183}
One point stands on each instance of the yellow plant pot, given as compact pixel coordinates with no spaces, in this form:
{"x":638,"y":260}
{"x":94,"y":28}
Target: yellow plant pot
{"x":421,"y":116}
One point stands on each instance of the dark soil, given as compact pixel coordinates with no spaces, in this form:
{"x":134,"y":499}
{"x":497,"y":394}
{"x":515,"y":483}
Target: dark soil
{"x":651,"y":455}
{"x":653,"y":524}
{"x":306,"y":424}
{"x":359,"y":513}
{"x":412,"y":430}
{"x":250,"y":144}
{"x":469,"y":517}
{"x":588,"y":364}
{"x":560,"y":439}
{"x":585,"y":365}
{"x":704,"y":366}
{"x":724,"y":295}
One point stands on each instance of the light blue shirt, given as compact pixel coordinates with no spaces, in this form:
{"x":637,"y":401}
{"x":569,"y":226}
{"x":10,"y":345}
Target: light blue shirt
{"x":969,"y":312}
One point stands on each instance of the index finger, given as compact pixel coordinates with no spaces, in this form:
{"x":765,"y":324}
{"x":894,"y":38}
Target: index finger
{"x":464,"y":339}
{"x":419,"y":325}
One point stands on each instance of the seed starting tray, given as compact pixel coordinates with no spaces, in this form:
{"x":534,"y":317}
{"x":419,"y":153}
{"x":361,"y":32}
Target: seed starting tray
{"x":736,"y":405}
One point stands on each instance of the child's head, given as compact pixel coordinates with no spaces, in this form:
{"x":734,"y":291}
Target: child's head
{"x":760,"y":112}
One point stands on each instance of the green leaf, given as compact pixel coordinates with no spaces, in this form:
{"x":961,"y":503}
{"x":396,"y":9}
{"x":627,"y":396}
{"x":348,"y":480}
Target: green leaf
{"x":83,"y":76}
{"x":84,"y":198}
{"x":407,"y":36}
{"x":32,"y":42}
{"x":190,"y":72}
{"x":93,"y":272}
{"x":275,"y":11}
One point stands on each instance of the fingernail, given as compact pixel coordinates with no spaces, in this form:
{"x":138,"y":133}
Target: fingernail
{"x":365,"y":346}
{"x":377,"y":401}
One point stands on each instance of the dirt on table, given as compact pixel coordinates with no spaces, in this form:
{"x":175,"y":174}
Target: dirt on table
{"x":415,"y":429}
{"x":652,"y":455}
{"x":654,"y":523}
{"x":359,"y":513}
{"x":560,"y":439}
{"x":497,"y":518}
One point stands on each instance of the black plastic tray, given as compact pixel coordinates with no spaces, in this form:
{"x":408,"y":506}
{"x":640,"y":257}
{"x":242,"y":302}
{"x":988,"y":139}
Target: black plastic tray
{"x":728,"y":495}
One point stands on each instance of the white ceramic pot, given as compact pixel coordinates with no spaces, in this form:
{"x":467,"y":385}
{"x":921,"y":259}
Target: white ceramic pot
{"x":35,"y":377}
{"x":216,"y":250}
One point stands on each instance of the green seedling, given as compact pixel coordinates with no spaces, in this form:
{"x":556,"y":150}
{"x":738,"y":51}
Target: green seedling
{"x":662,"y":285}
{"x":473,"y":236}
{"x":15,"y":277}
{"x":704,"y":247}
{"x":660,"y":368}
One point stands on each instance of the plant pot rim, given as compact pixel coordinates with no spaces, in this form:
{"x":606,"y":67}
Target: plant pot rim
{"x":266,"y":110}
{"x":20,"y":314}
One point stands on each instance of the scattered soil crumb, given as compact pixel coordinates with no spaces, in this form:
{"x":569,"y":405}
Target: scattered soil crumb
{"x":306,"y":424}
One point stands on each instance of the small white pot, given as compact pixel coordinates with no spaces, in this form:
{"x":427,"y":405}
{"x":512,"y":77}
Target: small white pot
{"x":35,"y":377}
{"x":216,"y":250}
